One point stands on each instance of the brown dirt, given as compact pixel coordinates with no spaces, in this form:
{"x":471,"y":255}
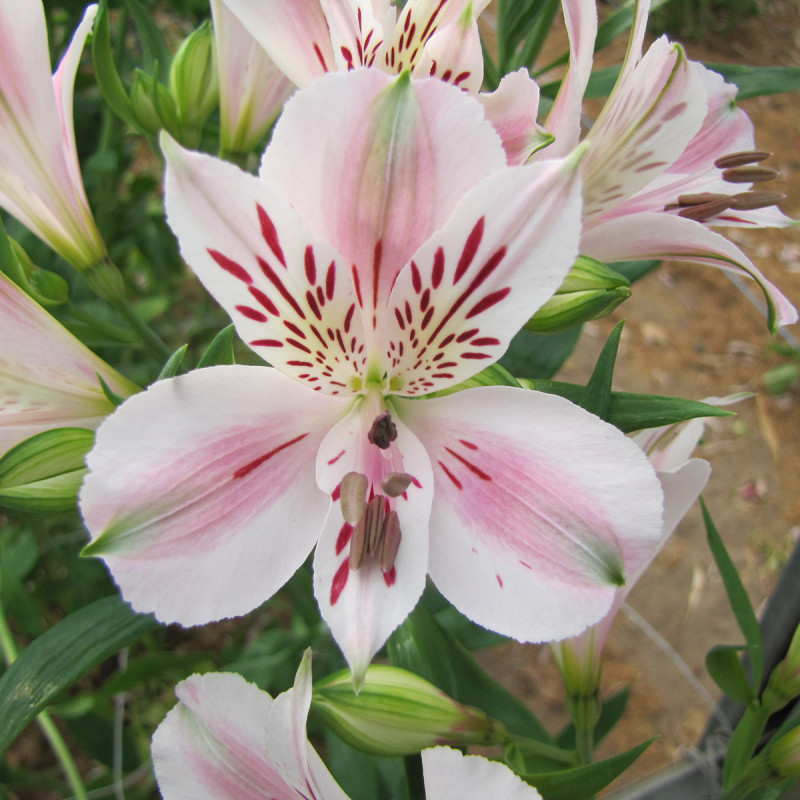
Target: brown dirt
{"x":690,"y":332}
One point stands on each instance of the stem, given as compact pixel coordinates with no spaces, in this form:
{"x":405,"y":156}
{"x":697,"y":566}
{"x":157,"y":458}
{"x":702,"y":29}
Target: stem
{"x":152,"y":343}
{"x":584,"y":743}
{"x":44,"y":720}
{"x":549,"y":751}
{"x":100,"y":325}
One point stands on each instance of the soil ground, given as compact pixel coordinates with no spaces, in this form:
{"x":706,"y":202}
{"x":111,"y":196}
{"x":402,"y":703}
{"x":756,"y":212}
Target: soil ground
{"x":690,"y":332}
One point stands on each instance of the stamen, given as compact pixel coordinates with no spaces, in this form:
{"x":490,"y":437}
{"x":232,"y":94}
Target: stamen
{"x":741,"y":158}
{"x":353,"y":493}
{"x":383,"y":431}
{"x":705,"y":210}
{"x":390,"y":543}
{"x":395,"y":483}
{"x":374,"y":524}
{"x":749,"y":174}
{"x":699,"y":199}
{"x":748,"y":201}
{"x":358,"y":543}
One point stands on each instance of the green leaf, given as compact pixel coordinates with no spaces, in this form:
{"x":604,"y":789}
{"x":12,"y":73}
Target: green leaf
{"x":63,"y":655}
{"x":725,"y":668}
{"x":170,"y":369}
{"x":422,"y":646}
{"x":742,"y":745}
{"x":635,"y":270}
{"x":740,"y":602}
{"x":112,"y":397}
{"x":758,"y":81}
{"x":586,"y":780}
{"x":491,"y":376}
{"x":539,"y":355}
{"x":634,"y":412}
{"x":157,"y":56}
{"x":596,"y":397}
{"x":220,"y":351}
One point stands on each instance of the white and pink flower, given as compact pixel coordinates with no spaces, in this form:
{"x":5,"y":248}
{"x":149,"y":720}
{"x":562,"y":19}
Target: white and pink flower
{"x":386,"y":251}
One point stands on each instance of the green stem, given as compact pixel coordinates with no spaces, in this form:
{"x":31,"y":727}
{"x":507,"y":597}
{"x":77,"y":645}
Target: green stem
{"x":152,"y":343}
{"x":100,"y":325}
{"x":549,"y":751}
{"x":44,"y":720}
{"x":584,"y":743}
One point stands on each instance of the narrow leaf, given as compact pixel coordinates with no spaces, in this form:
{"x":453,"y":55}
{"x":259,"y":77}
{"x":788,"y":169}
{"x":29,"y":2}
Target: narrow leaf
{"x":170,"y":369}
{"x":157,"y":56}
{"x":758,"y":81}
{"x":539,"y":355}
{"x":220,"y":351}
{"x":725,"y":668}
{"x":596,"y":397}
{"x":63,"y":655}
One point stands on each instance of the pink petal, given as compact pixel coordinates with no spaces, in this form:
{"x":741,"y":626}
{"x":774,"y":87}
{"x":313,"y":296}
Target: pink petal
{"x":294,"y":34}
{"x":564,"y":121}
{"x":451,"y":775}
{"x":538,"y":506}
{"x":512,"y":109}
{"x":664,"y":236}
{"x":471,"y":287}
{"x":356,"y":35}
{"x":363,"y":606}
{"x":203,"y":483}
{"x":454,"y":54}
{"x":290,"y":295}
{"x":375,"y":165}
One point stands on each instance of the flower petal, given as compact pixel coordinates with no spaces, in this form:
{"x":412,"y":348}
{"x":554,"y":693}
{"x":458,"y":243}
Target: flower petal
{"x":451,"y":775}
{"x":564,"y":120}
{"x":290,"y":295}
{"x":472,"y":286}
{"x":664,"y":236}
{"x":295,"y":35}
{"x":454,"y":54}
{"x":204,"y":484}
{"x":375,"y":165}
{"x":538,"y":506}
{"x":356,"y":35}
{"x":363,"y":606}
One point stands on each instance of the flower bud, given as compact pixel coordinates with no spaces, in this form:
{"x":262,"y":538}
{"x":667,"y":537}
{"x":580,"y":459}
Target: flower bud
{"x":193,"y":79}
{"x":591,"y":290}
{"x":142,"y":105}
{"x":398,"y":713}
{"x":784,"y":755}
{"x":784,"y":682}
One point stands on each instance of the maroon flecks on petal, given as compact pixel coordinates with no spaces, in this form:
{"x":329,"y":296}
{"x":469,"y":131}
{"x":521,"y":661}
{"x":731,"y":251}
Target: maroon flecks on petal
{"x":248,"y":468}
{"x":470,"y":249}
{"x":488,"y":302}
{"x":330,"y":280}
{"x":278,"y":284}
{"x":469,"y":465}
{"x":344,"y":537}
{"x":231,"y":266}
{"x":311,"y":265}
{"x":456,"y":481}
{"x":339,"y":582}
{"x":438,"y":268}
{"x":252,"y":313}
{"x":270,"y":234}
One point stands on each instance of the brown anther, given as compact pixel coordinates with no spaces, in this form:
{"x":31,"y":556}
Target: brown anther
{"x":395,"y":483}
{"x":748,"y":201}
{"x":706,"y":210}
{"x":376,"y":511}
{"x":353,"y":493}
{"x":741,"y":158}
{"x":749,"y":174}
{"x":699,"y":199}
{"x":383,"y":431}
{"x":390,"y":541}
{"x":358,"y":543}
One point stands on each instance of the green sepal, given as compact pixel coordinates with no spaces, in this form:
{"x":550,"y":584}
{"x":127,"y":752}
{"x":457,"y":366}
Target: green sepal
{"x":220,"y":351}
{"x":43,"y":474}
{"x":725,"y":668}
{"x":494,"y":375}
{"x":60,"y":657}
{"x":112,"y":397}
{"x":173,"y":364}
{"x":596,"y":397}
{"x":610,"y":714}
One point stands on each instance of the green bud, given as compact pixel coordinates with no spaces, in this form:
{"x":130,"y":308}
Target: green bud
{"x":193,"y":78}
{"x":591,"y":290}
{"x":398,"y":713}
{"x":47,"y":288}
{"x":43,"y":474}
{"x":144,"y":110}
{"x":784,"y":682}
{"x":784,"y":755}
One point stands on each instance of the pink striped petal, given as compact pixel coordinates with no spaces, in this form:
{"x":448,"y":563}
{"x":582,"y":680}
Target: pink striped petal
{"x":363,"y":606}
{"x":538,"y":506}
{"x":356,"y":34}
{"x":290,"y":295}
{"x":375,"y":165}
{"x":294,"y":34}
{"x":454,"y":54}
{"x":564,"y":120}
{"x":664,"y":236}
{"x":451,"y":775}
{"x":206,"y":482}
{"x":472,"y":286}
{"x":512,"y":109}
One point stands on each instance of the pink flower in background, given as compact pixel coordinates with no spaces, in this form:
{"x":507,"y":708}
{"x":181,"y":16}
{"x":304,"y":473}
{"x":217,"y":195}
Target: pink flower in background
{"x":385,"y":251}
{"x":48,"y":379}
{"x":228,"y":740}
{"x":670,"y":157}
{"x":40,"y":178}
{"x":252,"y":89}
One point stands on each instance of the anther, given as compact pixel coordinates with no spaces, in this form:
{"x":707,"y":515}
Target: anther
{"x":699,"y":198}
{"x":358,"y":543}
{"x":748,"y":201}
{"x":395,"y":483}
{"x":383,"y":431}
{"x":374,"y":525}
{"x":353,"y":493}
{"x":749,"y":174}
{"x":705,"y":210}
{"x":741,"y":158}
{"x":390,"y":543}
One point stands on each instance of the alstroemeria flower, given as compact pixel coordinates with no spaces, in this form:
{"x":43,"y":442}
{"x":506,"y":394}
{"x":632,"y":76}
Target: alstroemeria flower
{"x":48,"y":379}
{"x":386,"y":251}
{"x":670,"y":156}
{"x":252,"y":90}
{"x":682,"y":479}
{"x":40,"y":178}
{"x":431,"y":38}
{"x":228,"y":740}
